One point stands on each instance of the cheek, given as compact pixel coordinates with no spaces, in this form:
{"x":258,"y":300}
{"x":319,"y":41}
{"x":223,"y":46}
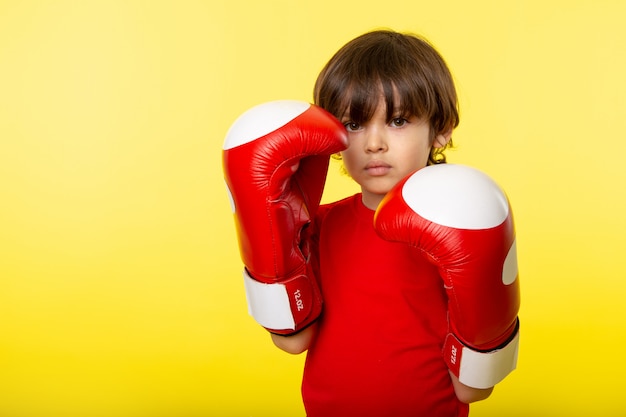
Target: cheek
{"x":349,"y":161}
{"x":424,"y":155}
{"x":348,"y":156}
{"x":416,"y":155}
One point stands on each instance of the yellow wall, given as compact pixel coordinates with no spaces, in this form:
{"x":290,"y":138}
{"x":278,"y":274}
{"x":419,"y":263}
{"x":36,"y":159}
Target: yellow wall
{"x":120,"y":288}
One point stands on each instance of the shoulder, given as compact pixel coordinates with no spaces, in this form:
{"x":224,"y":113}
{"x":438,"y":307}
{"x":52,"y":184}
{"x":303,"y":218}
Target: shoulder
{"x":339,"y":208}
{"x":345,"y":203}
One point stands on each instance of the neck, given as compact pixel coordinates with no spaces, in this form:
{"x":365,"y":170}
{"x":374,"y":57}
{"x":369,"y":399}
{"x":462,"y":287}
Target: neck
{"x":371,"y":201}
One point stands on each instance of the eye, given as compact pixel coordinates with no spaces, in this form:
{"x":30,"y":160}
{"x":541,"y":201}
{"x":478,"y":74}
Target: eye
{"x":352,"y":126}
{"x":399,"y":121}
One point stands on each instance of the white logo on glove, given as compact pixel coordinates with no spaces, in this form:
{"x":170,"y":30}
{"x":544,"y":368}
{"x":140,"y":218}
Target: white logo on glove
{"x":453,"y":355}
{"x":299,"y":303}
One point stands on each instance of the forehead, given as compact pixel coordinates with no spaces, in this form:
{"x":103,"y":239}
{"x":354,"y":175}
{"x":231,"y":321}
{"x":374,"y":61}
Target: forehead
{"x":360,"y":104}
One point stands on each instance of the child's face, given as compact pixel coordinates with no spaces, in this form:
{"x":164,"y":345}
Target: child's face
{"x":381,"y":153}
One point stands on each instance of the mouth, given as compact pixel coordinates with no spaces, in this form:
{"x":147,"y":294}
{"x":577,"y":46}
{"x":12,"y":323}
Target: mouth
{"x":377,"y":168}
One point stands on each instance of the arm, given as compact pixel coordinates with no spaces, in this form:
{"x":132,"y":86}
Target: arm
{"x":462,"y":221}
{"x":275,"y":160}
{"x":297,"y":343}
{"x":467,"y":394}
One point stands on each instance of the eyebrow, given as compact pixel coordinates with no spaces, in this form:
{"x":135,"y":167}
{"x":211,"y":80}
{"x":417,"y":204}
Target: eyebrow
{"x":397,"y":111}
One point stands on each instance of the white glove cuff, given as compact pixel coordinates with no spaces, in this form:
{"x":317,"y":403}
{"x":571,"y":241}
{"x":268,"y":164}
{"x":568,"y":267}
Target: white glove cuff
{"x":268,"y":304}
{"x":486,"y":369}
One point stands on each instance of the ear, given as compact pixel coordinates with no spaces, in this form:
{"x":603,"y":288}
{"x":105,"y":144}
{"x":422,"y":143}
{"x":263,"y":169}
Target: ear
{"x":442,"y":139}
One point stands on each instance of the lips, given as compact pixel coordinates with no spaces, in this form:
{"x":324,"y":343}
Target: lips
{"x":377,"y":168}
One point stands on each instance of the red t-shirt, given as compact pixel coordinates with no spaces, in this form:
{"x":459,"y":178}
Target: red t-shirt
{"x":378,"y":348}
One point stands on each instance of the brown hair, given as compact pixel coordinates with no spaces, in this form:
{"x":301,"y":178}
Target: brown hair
{"x":404,"y":68}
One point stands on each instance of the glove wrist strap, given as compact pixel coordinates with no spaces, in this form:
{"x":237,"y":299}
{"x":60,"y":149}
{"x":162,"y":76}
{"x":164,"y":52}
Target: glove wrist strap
{"x":480,"y":369}
{"x":282,"y":307}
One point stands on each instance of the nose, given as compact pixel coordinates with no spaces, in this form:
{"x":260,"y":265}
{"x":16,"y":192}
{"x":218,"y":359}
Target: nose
{"x":375,"y":141}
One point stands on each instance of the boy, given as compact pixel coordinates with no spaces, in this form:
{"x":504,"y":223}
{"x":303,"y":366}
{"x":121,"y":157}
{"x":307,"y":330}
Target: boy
{"x":376,"y":347}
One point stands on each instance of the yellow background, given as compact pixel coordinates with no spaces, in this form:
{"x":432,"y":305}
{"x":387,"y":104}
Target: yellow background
{"x":120,"y":286}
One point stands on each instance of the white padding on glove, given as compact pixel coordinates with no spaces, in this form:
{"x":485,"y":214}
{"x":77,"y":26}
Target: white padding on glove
{"x":486,"y":369}
{"x":268,"y":304}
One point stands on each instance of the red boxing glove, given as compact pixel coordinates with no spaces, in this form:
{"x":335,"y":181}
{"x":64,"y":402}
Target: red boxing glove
{"x":462,"y":221}
{"x":275,"y":162}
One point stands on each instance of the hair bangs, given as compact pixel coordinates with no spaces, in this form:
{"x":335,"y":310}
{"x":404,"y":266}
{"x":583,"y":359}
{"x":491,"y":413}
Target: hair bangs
{"x":359,"y":103}
{"x":405,"y":71}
